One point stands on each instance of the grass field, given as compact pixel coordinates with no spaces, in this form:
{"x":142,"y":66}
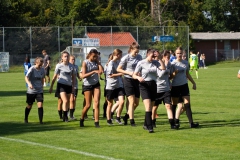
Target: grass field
{"x":215,"y":106}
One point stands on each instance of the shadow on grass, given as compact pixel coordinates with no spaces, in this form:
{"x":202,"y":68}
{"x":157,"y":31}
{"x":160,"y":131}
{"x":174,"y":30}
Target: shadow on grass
{"x":13,"y":128}
{"x":220,"y":123}
{"x":12,"y":93}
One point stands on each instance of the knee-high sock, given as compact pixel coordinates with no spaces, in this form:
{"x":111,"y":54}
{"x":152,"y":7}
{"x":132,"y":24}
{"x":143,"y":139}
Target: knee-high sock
{"x":148,"y":117}
{"x":188,"y":112}
{"x":174,"y":110}
{"x":40,"y":114}
{"x":27,"y":111}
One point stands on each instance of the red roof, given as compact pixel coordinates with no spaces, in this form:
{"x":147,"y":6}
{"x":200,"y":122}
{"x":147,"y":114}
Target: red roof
{"x":113,"y":39}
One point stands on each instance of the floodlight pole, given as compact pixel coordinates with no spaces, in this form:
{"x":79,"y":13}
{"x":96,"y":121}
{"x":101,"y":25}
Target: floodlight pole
{"x":30,"y":32}
{"x":3,"y":41}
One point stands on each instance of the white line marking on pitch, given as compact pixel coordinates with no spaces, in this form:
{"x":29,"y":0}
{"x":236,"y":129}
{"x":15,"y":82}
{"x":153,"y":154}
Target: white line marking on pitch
{"x":58,"y":148}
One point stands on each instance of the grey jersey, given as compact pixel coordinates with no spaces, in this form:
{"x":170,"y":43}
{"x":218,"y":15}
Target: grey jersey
{"x":76,"y":70}
{"x":112,"y":83}
{"x":182,"y":67}
{"x":129,"y":63}
{"x":35,"y":77}
{"x":45,"y":59}
{"x":163,"y":82}
{"x":65,"y":73}
{"x":148,"y":70}
{"x":94,"y":78}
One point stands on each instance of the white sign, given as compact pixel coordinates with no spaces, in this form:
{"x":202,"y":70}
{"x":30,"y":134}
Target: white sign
{"x":4,"y":61}
{"x":85,"y":42}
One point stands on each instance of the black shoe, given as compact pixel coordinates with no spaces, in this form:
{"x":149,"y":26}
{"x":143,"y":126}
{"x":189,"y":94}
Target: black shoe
{"x":154,"y":125}
{"x":125,"y":120}
{"x":145,"y":128}
{"x":150,"y":131}
{"x":174,"y":127}
{"x":177,"y":123}
{"x":81,"y":123}
{"x":97,"y":125}
{"x":194,"y":125}
{"x":109,"y":122}
{"x":25,"y":121}
{"x":133,"y":125}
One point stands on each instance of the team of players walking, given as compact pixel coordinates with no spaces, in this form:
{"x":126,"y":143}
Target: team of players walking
{"x":155,"y":79}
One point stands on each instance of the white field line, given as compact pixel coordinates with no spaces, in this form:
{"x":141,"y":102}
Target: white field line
{"x":59,"y":148}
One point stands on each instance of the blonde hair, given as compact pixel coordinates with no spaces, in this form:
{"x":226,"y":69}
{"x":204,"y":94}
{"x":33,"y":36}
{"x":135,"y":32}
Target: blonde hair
{"x":38,"y":59}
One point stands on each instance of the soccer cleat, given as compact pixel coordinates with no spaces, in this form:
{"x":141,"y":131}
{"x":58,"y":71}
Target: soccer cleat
{"x":73,"y":118}
{"x":86,"y":116}
{"x":194,"y":125}
{"x":48,"y":84}
{"x":133,"y":125}
{"x":97,"y":125}
{"x":41,"y":122}
{"x":119,"y":121}
{"x":125,"y":120}
{"x":174,"y":127}
{"x":150,"y":131}
{"x":25,"y":121}
{"x":145,"y":128}
{"x":81,"y":123}
{"x":44,"y":85}
{"x":109,"y":122}
{"x":154,"y":125}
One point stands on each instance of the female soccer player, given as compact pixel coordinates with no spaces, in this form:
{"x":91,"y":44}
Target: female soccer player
{"x":66,"y":81}
{"x":73,"y":96}
{"x":146,"y":73}
{"x":91,"y":68}
{"x":180,"y":75}
{"x":127,"y":66}
{"x":35,"y":79}
{"x":163,"y":90}
{"x":113,"y":88}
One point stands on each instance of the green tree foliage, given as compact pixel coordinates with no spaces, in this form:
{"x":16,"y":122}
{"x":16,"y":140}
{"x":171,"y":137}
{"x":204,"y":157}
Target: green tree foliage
{"x":200,"y":15}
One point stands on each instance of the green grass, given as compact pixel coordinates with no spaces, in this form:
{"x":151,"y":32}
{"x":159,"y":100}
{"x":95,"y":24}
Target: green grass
{"x":215,"y":106}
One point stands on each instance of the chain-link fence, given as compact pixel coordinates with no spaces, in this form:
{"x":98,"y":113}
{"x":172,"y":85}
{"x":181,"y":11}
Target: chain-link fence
{"x":30,"y":41}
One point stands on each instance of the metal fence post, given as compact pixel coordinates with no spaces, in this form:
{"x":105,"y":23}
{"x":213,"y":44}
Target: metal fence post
{"x":30,"y":32}
{"x":3,"y":40}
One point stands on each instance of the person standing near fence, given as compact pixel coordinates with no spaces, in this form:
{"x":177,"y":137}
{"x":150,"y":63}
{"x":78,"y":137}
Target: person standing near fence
{"x":35,"y":79}
{"x":26,"y":66}
{"x":66,"y":81}
{"x":193,"y":61}
{"x":127,"y":66}
{"x":180,"y":76}
{"x":73,"y":96}
{"x":91,"y":69}
{"x":46,"y":65}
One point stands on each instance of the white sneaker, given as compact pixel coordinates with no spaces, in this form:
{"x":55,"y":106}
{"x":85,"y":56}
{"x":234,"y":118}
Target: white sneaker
{"x":44,"y":85}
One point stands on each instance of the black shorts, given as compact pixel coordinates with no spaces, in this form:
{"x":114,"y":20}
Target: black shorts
{"x":64,"y":88}
{"x":31,"y":98}
{"x":90,"y":88}
{"x":148,"y":90}
{"x":111,"y":94}
{"x":47,"y":71}
{"x":131,"y":87}
{"x":180,"y":100}
{"x":164,"y":97}
{"x":120,"y":92}
{"x":75,"y":93}
{"x":180,"y":91}
{"x":57,"y":94}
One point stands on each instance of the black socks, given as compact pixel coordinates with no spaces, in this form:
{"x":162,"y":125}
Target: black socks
{"x":188,"y":112}
{"x":174,"y":110}
{"x":40,"y":114}
{"x":60,"y":112}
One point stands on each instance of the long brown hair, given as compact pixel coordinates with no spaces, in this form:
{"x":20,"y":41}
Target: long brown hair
{"x":134,"y":45}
